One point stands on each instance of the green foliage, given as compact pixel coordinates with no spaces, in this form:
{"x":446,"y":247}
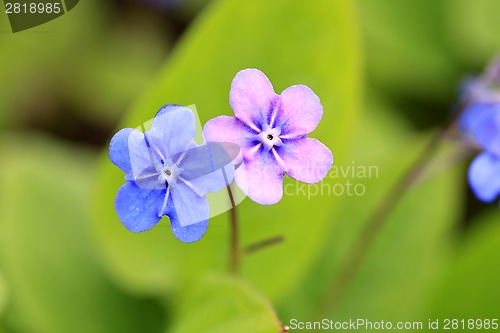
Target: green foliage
{"x":407,"y":44}
{"x":412,"y":248}
{"x":58,"y":226}
{"x":3,"y":294}
{"x":472,"y":29}
{"x":471,"y":289}
{"x":299,"y":43}
{"x":219,"y":304}
{"x":77,"y":58}
{"x":50,"y":266}
{"x":409,"y":253}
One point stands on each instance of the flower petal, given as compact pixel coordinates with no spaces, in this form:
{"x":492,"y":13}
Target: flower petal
{"x":189,"y":206}
{"x":207,"y":158}
{"x":300,"y":111}
{"x":261,"y":178}
{"x":229,"y":129}
{"x":252,"y":97}
{"x":148,"y":179}
{"x":307,"y":160}
{"x":172,"y":132}
{"x":142,"y":157}
{"x":212,"y":182}
{"x":487,"y":131}
{"x":484,"y":177}
{"x":471,"y":116}
{"x":137,"y":208}
{"x":118,"y":150}
{"x":202,"y":166}
{"x":190,"y":233}
{"x":167,"y":108}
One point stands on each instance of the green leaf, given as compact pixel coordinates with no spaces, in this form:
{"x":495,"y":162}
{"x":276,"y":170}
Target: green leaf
{"x":470,"y":289}
{"x":409,"y":252}
{"x":220,"y":304}
{"x":472,"y":29}
{"x":407,"y":43}
{"x":3,"y":294}
{"x":38,"y":53}
{"x":292,"y":42}
{"x":112,"y":64}
{"x":55,"y":282}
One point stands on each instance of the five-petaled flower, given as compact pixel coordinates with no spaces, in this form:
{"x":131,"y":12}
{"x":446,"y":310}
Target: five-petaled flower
{"x":271,"y":131}
{"x":168,"y":174}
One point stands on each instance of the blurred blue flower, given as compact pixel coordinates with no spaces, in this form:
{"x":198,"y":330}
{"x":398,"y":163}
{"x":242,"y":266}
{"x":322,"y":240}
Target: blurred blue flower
{"x":484,"y":171}
{"x":474,"y":114}
{"x":479,"y":95}
{"x":480,"y":122}
{"x":168,"y":174}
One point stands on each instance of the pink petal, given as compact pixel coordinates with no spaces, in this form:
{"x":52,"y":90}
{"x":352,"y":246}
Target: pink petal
{"x":252,"y":97}
{"x":228,"y":129}
{"x":306,"y":160}
{"x":301,"y":111}
{"x":261,"y":178}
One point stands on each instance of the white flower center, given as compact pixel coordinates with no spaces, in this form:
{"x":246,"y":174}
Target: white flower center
{"x":270,"y":137}
{"x":169,"y":172}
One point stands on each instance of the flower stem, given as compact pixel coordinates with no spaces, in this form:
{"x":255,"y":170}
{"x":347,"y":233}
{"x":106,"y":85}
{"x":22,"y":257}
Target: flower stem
{"x":263,"y":244}
{"x":235,"y":252}
{"x":365,"y":239}
{"x":234,"y":247}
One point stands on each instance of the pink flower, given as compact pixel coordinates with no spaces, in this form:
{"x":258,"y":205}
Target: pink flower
{"x":271,"y":131}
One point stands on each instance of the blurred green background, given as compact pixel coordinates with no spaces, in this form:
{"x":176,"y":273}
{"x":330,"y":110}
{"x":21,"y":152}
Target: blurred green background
{"x":387,"y":72}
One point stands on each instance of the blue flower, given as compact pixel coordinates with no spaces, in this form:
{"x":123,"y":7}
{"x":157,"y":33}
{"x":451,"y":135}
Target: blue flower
{"x":479,"y":95}
{"x":479,"y":122}
{"x":484,"y":171}
{"x":473,"y":115}
{"x":168,"y":174}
